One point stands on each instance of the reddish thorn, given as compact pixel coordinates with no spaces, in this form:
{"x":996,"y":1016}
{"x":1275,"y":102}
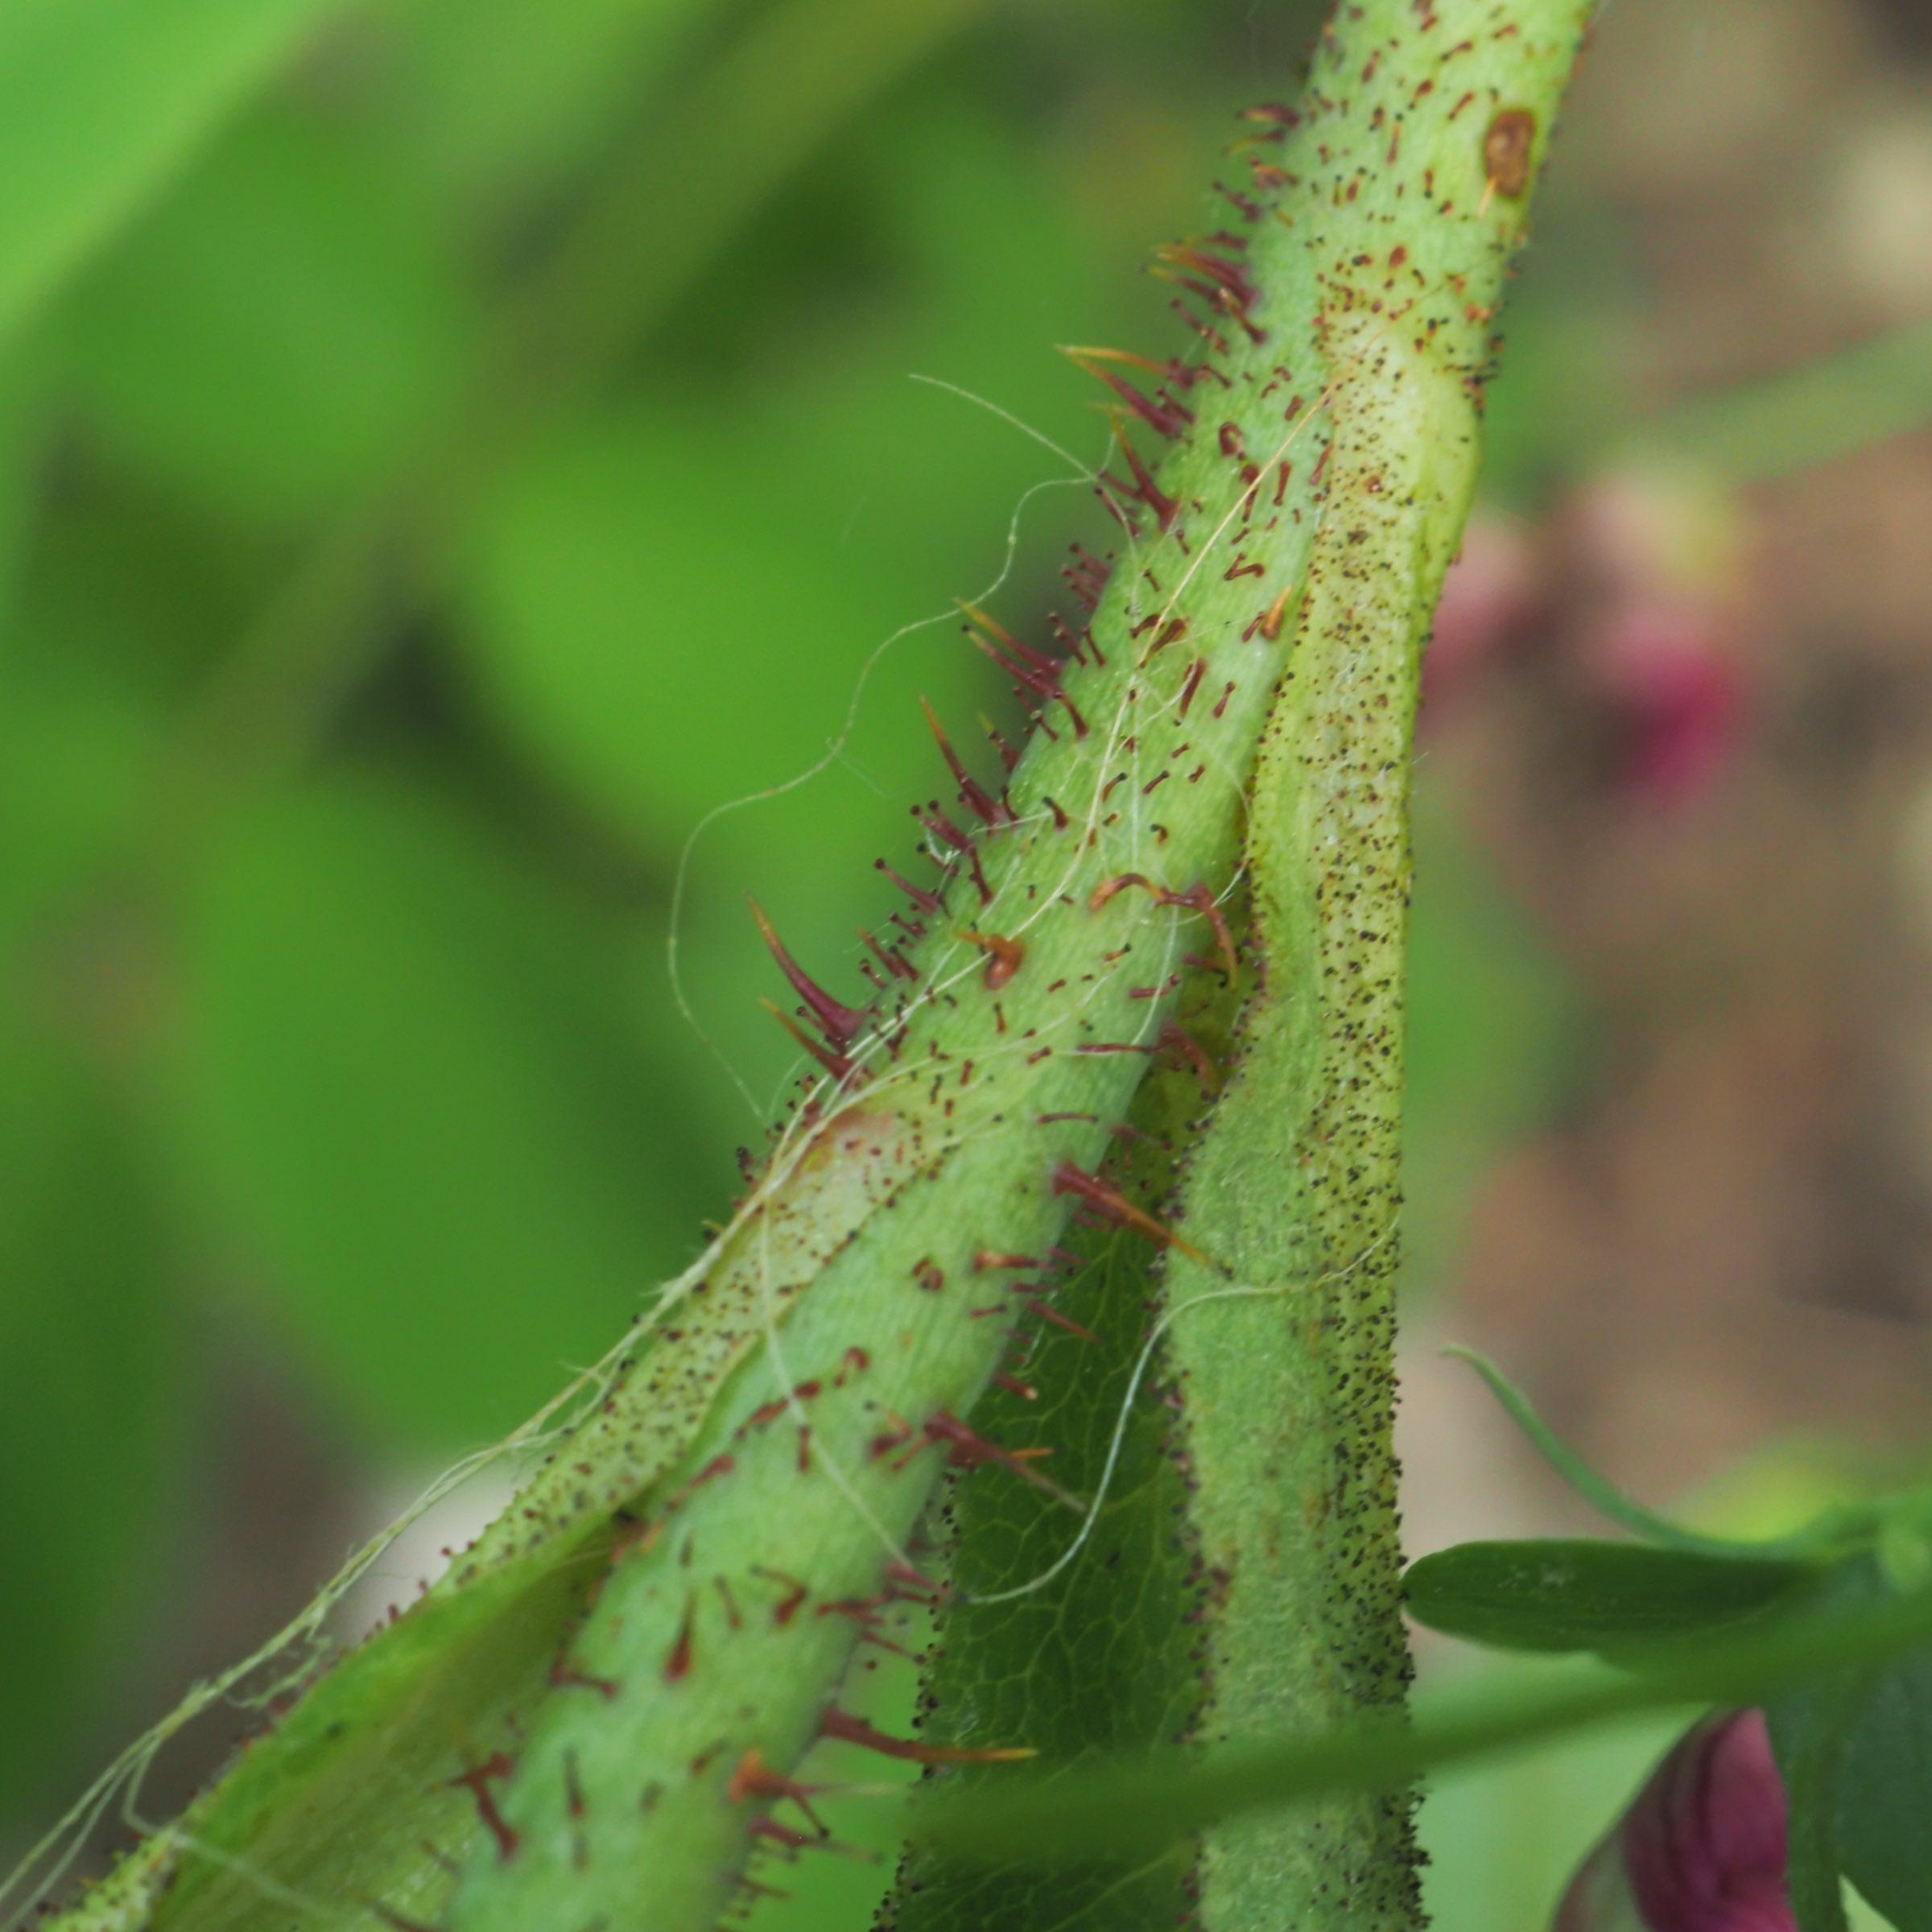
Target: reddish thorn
{"x":1248,"y":209}
{"x":834,"y":1064}
{"x":782,"y":1834}
{"x":1008,"y":756}
{"x":1107,"y":888}
{"x":855,"y":1731}
{"x":1164,"y":507}
{"x":1198,"y":899}
{"x":1271,"y":624}
{"x":1212,"y":335}
{"x":1020,"y":655}
{"x":892,"y":961}
{"x":861,"y":1609}
{"x":477,"y":1782}
{"x":1063,"y":635}
{"x":795,"y":1593}
{"x":907,"y":1580}
{"x":1048,"y":1314}
{"x":753,"y":1778}
{"x":942,"y":827}
{"x":1106,"y":1201}
{"x":992,"y":1257}
{"x":924,"y":900}
{"x":565,"y":1676}
{"x":1013,"y":1385}
{"x":1176,"y":1038}
{"x":761,"y":1417}
{"x":841,"y":1024}
{"x":1168,"y":417}
{"x":1060,"y":819}
{"x":677,"y":1665}
{"x":968,"y":1449}
{"x":1030,"y":671}
{"x":1191,"y":684}
{"x":975,"y":795}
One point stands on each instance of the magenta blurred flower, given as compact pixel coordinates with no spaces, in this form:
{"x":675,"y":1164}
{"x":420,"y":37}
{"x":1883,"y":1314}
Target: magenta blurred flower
{"x":1703,"y":1847}
{"x":1493,"y":596}
{"x":1662,"y":667}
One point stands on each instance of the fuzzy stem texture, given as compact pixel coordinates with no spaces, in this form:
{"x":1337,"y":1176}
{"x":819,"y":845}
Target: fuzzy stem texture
{"x":593,"y":1720}
{"x":1420,"y":133}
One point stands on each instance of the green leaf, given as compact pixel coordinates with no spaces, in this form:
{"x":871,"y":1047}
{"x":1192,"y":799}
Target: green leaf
{"x":1597,"y":1489}
{"x":1809,"y":1731}
{"x":1140,"y":1806}
{"x":418,"y":1093}
{"x":499,"y":113}
{"x":1885,"y":1795}
{"x":278,"y":329}
{"x":101,"y":102}
{"x":92,"y":1430}
{"x":22,"y":426}
{"x":1587,"y":1595}
{"x":1071,"y":1661}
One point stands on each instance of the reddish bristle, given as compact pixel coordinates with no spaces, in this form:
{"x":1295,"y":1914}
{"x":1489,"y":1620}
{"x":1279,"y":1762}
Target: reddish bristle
{"x":841,"y":1024}
{"x":924,"y":900}
{"x":834,"y":1064}
{"x":975,"y":795}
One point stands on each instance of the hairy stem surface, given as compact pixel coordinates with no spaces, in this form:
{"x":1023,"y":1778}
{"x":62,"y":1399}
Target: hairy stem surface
{"x":591,"y":1720}
{"x":1427,"y":124}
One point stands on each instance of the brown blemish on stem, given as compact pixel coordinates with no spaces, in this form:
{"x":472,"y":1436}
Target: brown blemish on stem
{"x":1507,"y":145}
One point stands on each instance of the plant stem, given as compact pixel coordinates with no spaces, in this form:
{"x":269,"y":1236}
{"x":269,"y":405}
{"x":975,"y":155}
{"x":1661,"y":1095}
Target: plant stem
{"x":588,"y":1719}
{"x":1432,"y":120}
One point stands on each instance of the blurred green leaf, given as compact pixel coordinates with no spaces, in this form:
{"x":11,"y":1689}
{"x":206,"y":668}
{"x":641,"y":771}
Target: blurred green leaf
{"x":498,"y":111}
{"x":423,"y":1096}
{"x":635,"y":635}
{"x":1885,"y":1795}
{"x":1808,"y":1728}
{"x":280,"y":329}
{"x":22,"y":425}
{"x":97,"y":1390}
{"x":1582,"y":1594}
{"x":101,"y":102}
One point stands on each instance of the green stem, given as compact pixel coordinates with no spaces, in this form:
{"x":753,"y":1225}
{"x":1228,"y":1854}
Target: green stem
{"x":587,"y":1721}
{"x":1285,"y":1348}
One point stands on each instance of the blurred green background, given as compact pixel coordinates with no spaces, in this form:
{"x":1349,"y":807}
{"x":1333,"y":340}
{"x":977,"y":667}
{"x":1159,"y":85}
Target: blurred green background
{"x":447,"y":449}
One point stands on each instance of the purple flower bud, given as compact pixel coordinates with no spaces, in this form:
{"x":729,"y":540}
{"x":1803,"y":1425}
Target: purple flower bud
{"x":1703,"y":1847}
